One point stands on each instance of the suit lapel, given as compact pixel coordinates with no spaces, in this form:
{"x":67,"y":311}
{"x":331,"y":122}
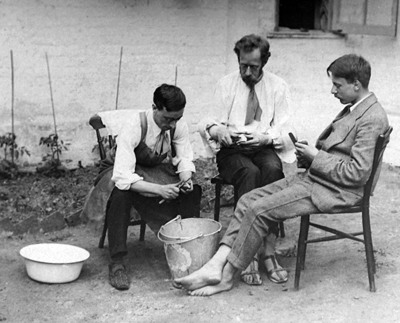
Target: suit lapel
{"x":343,"y":125}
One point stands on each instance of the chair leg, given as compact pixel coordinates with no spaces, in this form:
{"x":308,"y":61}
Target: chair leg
{"x":103,"y":234}
{"x":307,"y":229}
{"x":301,"y":249}
{"x":369,"y":249}
{"x":235,"y":197}
{"x":142,"y":231}
{"x":281,"y":230}
{"x":217,"y":201}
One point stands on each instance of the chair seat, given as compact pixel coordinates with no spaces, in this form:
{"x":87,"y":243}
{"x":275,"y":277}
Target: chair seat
{"x":218,"y":179}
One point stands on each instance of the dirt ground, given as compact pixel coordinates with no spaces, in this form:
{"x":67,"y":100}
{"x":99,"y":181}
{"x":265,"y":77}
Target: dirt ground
{"x":333,"y":288}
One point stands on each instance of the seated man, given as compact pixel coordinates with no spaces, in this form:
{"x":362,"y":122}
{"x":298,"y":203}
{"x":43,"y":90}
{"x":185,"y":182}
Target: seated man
{"x":249,"y":135}
{"x":152,"y":173}
{"x":336,"y":172}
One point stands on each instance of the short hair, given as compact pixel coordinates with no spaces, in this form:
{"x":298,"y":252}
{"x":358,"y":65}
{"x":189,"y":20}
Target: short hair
{"x":169,"y":96}
{"x":351,"y":67}
{"x":251,"y":42}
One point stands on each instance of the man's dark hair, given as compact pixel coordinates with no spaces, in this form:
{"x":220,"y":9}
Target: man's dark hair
{"x":169,"y":96}
{"x":351,"y":67}
{"x":251,"y":42}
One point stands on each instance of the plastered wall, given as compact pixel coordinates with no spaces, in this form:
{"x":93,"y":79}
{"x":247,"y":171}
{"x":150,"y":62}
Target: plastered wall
{"x":83,"y":41}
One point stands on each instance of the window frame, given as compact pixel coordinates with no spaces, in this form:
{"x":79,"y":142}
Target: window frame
{"x":337,"y":28}
{"x":364,"y":28}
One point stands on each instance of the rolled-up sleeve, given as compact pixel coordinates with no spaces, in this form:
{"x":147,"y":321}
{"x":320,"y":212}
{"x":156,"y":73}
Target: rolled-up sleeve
{"x":183,"y":159}
{"x":125,"y":160}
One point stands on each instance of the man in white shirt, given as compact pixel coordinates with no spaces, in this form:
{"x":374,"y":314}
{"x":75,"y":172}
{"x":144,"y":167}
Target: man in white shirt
{"x":152,"y":172}
{"x":249,"y":134}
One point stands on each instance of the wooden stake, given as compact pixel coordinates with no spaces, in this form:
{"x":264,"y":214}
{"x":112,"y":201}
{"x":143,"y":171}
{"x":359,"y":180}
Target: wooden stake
{"x":119,"y":76}
{"x":12,"y":105}
{"x":52,"y":106}
{"x":176,"y":75}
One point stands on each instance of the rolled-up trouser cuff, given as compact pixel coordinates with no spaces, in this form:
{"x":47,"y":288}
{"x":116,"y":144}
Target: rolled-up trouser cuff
{"x":236,"y":262}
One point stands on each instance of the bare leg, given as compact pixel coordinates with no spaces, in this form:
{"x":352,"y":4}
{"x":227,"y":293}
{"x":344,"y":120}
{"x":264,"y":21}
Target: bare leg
{"x":225,"y":285}
{"x":209,"y":274}
{"x":274,"y":271}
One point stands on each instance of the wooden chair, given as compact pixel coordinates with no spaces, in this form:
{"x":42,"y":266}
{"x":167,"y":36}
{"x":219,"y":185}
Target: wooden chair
{"x":97,"y":124}
{"x":218,"y":181}
{"x":336,"y":234}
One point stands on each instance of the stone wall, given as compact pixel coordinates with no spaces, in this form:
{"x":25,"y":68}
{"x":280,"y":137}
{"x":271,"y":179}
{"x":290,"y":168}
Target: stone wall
{"x":83,"y":41}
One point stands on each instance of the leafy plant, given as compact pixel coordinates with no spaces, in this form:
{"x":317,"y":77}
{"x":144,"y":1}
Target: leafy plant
{"x":11,"y":148}
{"x":56,"y":147}
{"x":8,"y":168}
{"x":52,"y":166}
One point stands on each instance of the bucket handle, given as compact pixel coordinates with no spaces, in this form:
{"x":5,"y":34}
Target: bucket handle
{"x":177,"y":218}
{"x":178,"y":240}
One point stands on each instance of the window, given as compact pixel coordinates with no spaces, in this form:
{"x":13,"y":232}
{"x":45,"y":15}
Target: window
{"x":305,"y":15}
{"x":369,"y":17}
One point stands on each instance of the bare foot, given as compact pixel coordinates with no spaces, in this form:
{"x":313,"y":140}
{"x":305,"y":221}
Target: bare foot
{"x":225,"y":285}
{"x":209,"y":274}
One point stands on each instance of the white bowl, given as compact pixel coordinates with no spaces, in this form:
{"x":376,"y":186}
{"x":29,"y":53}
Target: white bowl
{"x":53,"y":262}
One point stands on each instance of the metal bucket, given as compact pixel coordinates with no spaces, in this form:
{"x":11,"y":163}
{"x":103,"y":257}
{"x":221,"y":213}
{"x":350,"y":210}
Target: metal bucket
{"x":189,"y":243}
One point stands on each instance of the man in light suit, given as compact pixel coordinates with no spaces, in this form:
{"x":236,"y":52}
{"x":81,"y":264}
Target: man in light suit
{"x":337,"y":168}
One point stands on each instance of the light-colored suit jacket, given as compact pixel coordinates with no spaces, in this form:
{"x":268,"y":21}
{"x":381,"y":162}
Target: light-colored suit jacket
{"x":343,"y":164}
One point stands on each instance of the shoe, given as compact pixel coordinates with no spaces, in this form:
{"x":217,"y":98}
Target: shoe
{"x":281,"y":279}
{"x":251,"y":275}
{"x":118,"y":276}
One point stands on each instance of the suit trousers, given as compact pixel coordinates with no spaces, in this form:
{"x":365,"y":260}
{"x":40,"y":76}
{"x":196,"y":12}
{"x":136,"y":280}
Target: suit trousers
{"x":249,"y":169}
{"x":260,"y":209}
{"x":155,"y":214}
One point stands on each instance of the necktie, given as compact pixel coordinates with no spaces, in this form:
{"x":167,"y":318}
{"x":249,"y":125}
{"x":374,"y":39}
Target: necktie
{"x":159,"y":145}
{"x":253,"y":108}
{"x":343,"y":113}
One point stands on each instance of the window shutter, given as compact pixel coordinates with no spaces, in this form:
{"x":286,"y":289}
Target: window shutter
{"x":368,"y":17}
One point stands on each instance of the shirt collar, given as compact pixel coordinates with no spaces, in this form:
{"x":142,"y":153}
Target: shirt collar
{"x":358,"y":103}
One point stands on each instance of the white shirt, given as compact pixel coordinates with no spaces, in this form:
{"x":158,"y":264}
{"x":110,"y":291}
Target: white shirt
{"x":230,"y":99}
{"x":129,"y":134}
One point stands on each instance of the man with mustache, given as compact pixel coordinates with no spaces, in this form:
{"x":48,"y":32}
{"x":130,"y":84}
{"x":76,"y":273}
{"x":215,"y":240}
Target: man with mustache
{"x":249,"y":135}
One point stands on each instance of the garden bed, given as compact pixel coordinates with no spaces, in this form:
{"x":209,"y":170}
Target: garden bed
{"x":35,"y":201}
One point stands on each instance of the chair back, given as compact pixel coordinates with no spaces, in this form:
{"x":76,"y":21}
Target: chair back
{"x":113,"y":120}
{"x":97,"y":124}
{"x":380,"y":147}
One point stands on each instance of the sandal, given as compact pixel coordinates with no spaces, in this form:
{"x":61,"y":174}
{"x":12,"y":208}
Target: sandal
{"x":251,"y":275}
{"x":276,"y":270}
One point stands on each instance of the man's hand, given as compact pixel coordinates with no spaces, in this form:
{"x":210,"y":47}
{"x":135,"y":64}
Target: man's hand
{"x":277,"y":143}
{"x":169,"y":192}
{"x":257,"y":140}
{"x":221,"y":134}
{"x":186,"y":183}
{"x":186,"y":186}
{"x":305,"y":154}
